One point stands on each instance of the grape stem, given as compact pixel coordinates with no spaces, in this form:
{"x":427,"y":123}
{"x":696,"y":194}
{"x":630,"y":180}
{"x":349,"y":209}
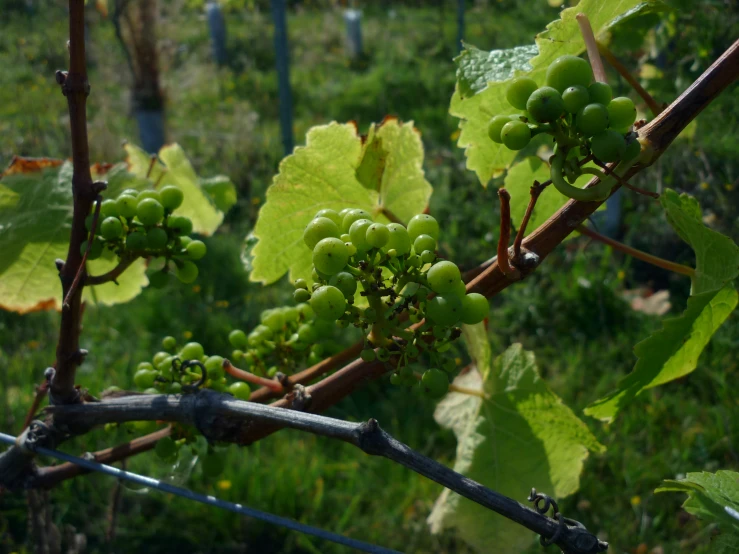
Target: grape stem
{"x":111,"y":275}
{"x":638,"y":254}
{"x":388,"y":213}
{"x":505,"y":232}
{"x":596,"y":63}
{"x":654,"y":107}
{"x":607,"y":170}
{"x":233,"y":371}
{"x":468,"y":391}
{"x":536,"y":190}
{"x":83,"y":264}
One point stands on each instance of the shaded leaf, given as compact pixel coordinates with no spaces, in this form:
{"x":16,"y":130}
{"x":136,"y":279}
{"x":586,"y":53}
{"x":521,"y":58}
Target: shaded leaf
{"x":476,"y":68}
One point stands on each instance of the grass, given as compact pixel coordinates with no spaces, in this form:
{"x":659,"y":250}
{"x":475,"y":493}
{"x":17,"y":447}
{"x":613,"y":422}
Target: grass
{"x":570,"y":313}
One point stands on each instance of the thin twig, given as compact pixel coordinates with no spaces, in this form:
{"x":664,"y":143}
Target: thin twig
{"x":536,"y":190}
{"x":609,"y":171}
{"x":629,"y":78}
{"x":249,"y":377}
{"x":153,"y":160}
{"x":111,"y":275}
{"x":587,"y":34}
{"x":638,"y":254}
{"x":388,"y":213}
{"x":91,"y":238}
{"x":505,"y":232}
{"x":41,"y":391}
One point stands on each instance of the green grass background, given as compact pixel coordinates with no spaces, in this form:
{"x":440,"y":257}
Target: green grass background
{"x":570,"y":313}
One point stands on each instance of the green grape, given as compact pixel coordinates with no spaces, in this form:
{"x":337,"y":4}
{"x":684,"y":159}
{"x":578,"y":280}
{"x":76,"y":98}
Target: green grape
{"x":174,"y":388}
{"x":632,"y":150}
{"x":475,"y":308}
{"x":301,"y":295}
{"x":592,"y":119}
{"x":108,"y":208}
{"x":423,"y":224}
{"x":345,"y":237}
{"x":516,"y":135}
{"x":136,"y":241}
{"x":443,"y":276}
{"x":440,"y":332}
{"x":305,"y":311}
{"x":383,"y":354}
{"x":196,"y":249}
{"x":273,"y":320}
{"x":144,"y":378}
{"x":600,"y":93}
{"x":351,"y":249}
{"x":424,"y":242}
{"x":237,"y":338}
{"x":545,"y":104}
{"x":151,"y":390}
{"x":330,"y":214}
{"x":459,"y":289}
{"x":567,"y":71}
{"x":415,"y":260}
{"x":328,"y":302}
{"x":291,"y":314}
{"x":358,"y":234}
{"x":214,"y":367}
{"x":313,"y":359}
{"x":156,"y":238}
{"x":330,"y":256}
{"x":213,"y":464}
{"x":575,"y":98}
{"x":435,"y":383}
{"x":352,"y":216}
{"x":399,"y":239}
{"x":166,"y":449}
{"x":150,"y":193}
{"x":449,"y":365}
{"x":126,"y":206}
{"x":608,"y":146}
{"x":180,"y":225}
{"x":169,"y":343}
{"x":165,"y":366}
{"x":621,"y":112}
{"x":240,"y":390}
{"x":272,"y":371}
{"x":307,"y":333}
{"x":187,"y":272}
{"x":149,"y":211}
{"x":345,"y":282}
{"x":159,"y":357}
{"x":265,"y":332}
{"x":319,"y":229}
{"x":395,"y":379}
{"x":496,"y":126}
{"x":301,"y":284}
{"x":146,"y":365}
{"x":377,"y":235}
{"x":237,"y":355}
{"x":444,"y":310}
{"x":427,"y":256}
{"x":192,"y":351}
{"x":343,"y":212}
{"x":96,"y":250}
{"x":159,"y":280}
{"x":171,"y":197}
{"x":519,"y":90}
{"x":88,"y":222}
{"x":412,"y":351}
{"x":368,"y":355}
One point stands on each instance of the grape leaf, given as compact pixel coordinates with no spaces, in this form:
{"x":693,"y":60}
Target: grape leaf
{"x":716,"y":255}
{"x":711,"y":496}
{"x":204,"y":202}
{"x":35,"y":222}
{"x":336,"y":169}
{"x":672,"y":351}
{"x":520,"y":436}
{"x":486,"y":158}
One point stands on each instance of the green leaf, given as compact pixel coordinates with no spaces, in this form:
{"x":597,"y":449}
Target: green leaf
{"x":336,"y":169}
{"x":561,"y":37}
{"x":711,"y":496}
{"x":716,"y":255}
{"x":34,"y":233}
{"x":221,"y":191}
{"x":672,"y":351}
{"x":520,"y":436}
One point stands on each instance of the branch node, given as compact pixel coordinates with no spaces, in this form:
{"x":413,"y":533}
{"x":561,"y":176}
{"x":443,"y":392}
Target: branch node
{"x":299,"y":399}
{"x":59,"y":263}
{"x":73,"y":83}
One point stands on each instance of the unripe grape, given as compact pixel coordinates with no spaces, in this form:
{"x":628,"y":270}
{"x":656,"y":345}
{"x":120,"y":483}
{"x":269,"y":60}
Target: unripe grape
{"x":171,"y":197}
{"x":180,"y":224}
{"x":273,"y":320}
{"x":187,"y":272}
{"x":240,"y":390}
{"x":343,"y":212}
{"x":608,"y":146}
{"x":567,"y":71}
{"x":377,"y":235}
{"x":345,"y":237}
{"x":592,"y":119}
{"x":516,"y":135}
{"x":237,"y":355}
{"x":358,"y":234}
{"x":443,"y":276}
{"x":330,"y":214}
{"x":444,"y":310}
{"x":301,"y":295}
{"x":423,"y":224}
{"x":459,"y":289}
{"x":395,"y":379}
{"x":144,"y":378}
{"x":600,"y":93}
{"x":330,"y":256}
{"x":412,"y":351}
{"x":307,"y":333}
{"x":435,"y":383}
{"x":184,"y":241}
{"x":301,"y":284}
{"x":237,"y":338}
{"x":383,"y":354}
{"x":496,"y":126}
{"x":305,"y":311}
{"x":328,"y":302}
{"x":519,"y":90}
{"x":149,"y":211}
{"x":214,"y":367}
{"x":126,"y":206}
{"x":88,"y":222}
{"x":192,"y":351}
{"x":345,"y":282}
{"x":108,"y":208}
{"x":621,"y":112}
{"x":352,"y":216}
{"x":149,"y":193}
{"x":545,"y":104}
{"x":96,"y":249}
{"x":146,"y":365}
{"x":318,"y":229}
{"x":424,"y":242}
{"x":136,"y":241}
{"x":159,"y":279}
{"x":368,"y":355}
{"x":196,"y":249}
{"x":575,"y":98}
{"x":166,"y":449}
{"x":428,"y":256}
{"x":350,"y":249}
{"x":632,"y":150}
{"x":169,"y":343}
{"x":156,"y":238}
{"x":475,"y":308}
{"x":290,"y":313}
{"x":159,"y":357}
{"x":399,"y":240}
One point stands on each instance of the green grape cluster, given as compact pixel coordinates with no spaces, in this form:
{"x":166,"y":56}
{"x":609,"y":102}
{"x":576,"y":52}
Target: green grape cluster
{"x":141,"y":223}
{"x":398,"y":272}
{"x":286,"y":339}
{"x":581,"y":115}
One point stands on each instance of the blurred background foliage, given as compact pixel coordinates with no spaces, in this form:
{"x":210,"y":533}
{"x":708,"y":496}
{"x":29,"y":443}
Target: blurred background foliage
{"x":581,"y":313}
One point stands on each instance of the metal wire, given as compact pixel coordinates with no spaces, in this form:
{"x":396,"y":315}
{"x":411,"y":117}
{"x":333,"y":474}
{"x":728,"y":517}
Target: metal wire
{"x":209,"y":500}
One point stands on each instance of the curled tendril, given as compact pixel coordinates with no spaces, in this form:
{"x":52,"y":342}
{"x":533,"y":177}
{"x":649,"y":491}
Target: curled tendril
{"x":193,"y":387}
